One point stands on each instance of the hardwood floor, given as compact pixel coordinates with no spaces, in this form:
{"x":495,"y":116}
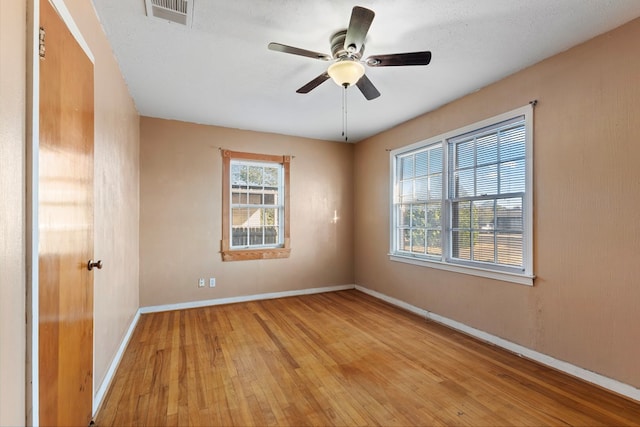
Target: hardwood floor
{"x":341,"y":358}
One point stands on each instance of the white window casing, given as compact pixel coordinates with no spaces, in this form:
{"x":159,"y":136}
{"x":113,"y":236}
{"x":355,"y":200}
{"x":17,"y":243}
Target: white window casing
{"x":257,"y":205}
{"x":463,"y":201}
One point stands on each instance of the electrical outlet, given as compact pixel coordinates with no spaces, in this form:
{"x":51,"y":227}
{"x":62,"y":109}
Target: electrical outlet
{"x":212,"y":282}
{"x":201,"y":283}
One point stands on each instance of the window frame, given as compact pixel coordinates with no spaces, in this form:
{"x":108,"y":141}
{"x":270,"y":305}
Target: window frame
{"x":445,"y":261}
{"x":281,"y":250}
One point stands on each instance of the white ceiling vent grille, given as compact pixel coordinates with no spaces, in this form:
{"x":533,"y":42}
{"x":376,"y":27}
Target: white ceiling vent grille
{"x":178,"y":11}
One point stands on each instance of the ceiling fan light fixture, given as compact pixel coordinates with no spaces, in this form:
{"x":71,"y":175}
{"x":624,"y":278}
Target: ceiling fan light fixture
{"x":346,"y":73}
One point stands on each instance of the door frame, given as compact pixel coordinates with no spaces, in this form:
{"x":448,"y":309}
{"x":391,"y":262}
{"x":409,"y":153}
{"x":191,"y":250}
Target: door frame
{"x":32,"y":189}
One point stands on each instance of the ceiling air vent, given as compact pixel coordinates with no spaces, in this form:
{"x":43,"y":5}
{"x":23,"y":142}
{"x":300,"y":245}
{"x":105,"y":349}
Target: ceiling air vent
{"x":178,"y":11}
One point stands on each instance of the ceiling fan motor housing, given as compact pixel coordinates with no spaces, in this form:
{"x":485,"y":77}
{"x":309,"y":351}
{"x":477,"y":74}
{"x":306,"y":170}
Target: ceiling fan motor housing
{"x":338,"y":50}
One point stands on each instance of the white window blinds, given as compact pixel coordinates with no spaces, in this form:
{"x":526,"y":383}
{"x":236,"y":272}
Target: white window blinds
{"x":419,"y":207}
{"x":487,"y":189}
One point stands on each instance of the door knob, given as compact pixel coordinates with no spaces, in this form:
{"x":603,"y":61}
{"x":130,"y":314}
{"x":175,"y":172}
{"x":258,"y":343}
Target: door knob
{"x":92,"y":264}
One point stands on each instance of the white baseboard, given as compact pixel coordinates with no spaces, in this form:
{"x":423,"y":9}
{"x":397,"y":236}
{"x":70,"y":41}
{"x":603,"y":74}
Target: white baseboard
{"x":106,"y":382}
{"x":573,"y":370}
{"x":244,"y":298}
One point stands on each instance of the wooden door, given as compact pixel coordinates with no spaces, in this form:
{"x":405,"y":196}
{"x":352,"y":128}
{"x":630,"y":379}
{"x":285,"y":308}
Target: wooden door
{"x":65,"y":227}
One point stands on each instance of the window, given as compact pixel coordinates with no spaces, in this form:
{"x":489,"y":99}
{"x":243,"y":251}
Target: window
{"x":419,"y":202}
{"x":255,"y":204}
{"x":462,"y":201}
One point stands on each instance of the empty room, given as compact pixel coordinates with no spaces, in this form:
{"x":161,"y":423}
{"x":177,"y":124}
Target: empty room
{"x":319,"y":213}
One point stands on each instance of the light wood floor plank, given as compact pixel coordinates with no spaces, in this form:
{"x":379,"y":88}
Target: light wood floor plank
{"x":341,"y":358}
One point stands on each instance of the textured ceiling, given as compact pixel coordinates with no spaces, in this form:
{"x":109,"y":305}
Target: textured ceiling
{"x":220,"y":72}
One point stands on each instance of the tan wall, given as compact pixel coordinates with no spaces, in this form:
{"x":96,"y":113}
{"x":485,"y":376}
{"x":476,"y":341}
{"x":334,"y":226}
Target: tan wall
{"x":584,"y":307}
{"x":116,"y":195}
{"x":180,"y":214}
{"x":13,"y":21}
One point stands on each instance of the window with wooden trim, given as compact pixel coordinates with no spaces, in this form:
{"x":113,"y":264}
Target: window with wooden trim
{"x":255,"y":206}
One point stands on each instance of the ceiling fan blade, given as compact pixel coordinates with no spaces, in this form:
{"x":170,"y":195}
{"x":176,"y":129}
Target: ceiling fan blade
{"x":367,"y":88}
{"x":297,"y":51}
{"x":359,"y":24}
{"x":396,"y":59}
{"x":314,"y":83}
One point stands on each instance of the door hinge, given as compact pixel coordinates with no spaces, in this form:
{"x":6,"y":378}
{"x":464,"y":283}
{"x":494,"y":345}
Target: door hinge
{"x":42,"y":48}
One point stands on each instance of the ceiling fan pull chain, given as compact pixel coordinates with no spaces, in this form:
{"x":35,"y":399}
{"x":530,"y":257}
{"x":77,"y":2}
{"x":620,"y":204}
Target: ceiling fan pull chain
{"x":344,"y":114}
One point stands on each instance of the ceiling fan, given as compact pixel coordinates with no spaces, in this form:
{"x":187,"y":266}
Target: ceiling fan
{"x":347,"y":48}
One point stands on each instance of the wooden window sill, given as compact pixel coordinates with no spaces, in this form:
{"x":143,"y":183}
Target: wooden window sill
{"x":253,"y":254}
